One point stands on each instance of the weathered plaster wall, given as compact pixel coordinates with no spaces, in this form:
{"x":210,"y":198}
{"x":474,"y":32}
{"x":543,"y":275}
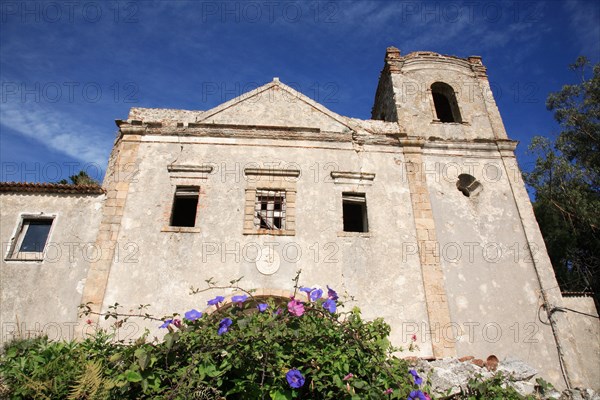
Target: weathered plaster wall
{"x":44,"y":296}
{"x":276,"y":107}
{"x":163,"y":115}
{"x":370,"y":267}
{"x":492,"y":287}
{"x":385,"y":107}
{"x":587,"y":329}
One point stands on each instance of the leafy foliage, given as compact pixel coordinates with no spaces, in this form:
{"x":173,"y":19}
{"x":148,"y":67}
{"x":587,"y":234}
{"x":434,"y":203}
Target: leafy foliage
{"x":494,"y":388}
{"x":566,"y":180}
{"x":273,"y":349}
{"x":82,"y":178}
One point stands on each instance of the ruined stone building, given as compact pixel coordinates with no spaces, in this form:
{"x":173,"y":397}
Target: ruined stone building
{"x":420,"y":213}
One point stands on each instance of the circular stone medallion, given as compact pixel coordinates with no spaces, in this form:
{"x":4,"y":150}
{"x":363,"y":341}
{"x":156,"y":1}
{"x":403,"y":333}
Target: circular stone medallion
{"x":268,"y":262}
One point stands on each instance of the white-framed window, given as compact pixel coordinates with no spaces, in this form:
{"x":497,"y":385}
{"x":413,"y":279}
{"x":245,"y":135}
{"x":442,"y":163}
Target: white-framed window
{"x":31,"y":238}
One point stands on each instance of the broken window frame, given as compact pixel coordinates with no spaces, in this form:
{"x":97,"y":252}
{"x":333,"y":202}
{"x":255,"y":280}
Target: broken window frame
{"x":270,"y":209}
{"x":270,"y":179}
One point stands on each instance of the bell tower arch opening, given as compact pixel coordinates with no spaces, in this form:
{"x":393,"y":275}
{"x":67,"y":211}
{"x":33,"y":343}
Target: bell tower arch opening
{"x":446,"y":105}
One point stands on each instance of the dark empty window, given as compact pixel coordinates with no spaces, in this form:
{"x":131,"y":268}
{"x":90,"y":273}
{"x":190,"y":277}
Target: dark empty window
{"x":442,"y":108}
{"x":185,"y":205}
{"x":269,"y":209}
{"x":444,"y":100}
{"x":35,"y":235}
{"x":355,"y":212}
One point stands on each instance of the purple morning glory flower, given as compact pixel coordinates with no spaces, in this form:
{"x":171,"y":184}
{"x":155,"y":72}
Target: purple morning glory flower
{"x":306,"y":289}
{"x":294,"y":378}
{"x":418,"y":379}
{"x":316,"y":294}
{"x":239,"y":299}
{"x":192,"y":315}
{"x":262,"y":307}
{"x":166,"y":324}
{"x":329,"y":305}
{"x":216,"y":301}
{"x":416,"y":394}
{"x":224,"y":326}
{"x":332,"y":294}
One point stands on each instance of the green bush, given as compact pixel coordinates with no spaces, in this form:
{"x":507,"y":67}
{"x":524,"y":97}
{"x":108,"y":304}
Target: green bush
{"x":250,"y":349}
{"x":494,"y":388}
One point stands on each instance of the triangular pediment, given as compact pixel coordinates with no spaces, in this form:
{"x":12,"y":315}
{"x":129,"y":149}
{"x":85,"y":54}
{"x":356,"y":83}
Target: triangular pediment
{"x":275,"y":104}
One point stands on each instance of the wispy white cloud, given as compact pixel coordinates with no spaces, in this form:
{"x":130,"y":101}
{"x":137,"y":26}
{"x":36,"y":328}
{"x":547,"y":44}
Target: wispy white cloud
{"x":55,"y":130}
{"x":583,"y":18}
{"x":439,"y":25}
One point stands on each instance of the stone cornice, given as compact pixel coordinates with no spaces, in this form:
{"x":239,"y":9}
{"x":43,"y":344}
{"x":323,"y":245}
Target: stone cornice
{"x":315,"y":134}
{"x":349,"y":177}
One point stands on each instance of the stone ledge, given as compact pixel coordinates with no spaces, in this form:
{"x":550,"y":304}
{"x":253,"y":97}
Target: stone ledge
{"x":180,"y":229}
{"x":272,"y":172}
{"x":355,"y":234}
{"x":283,"y":232}
{"x":347,"y":177}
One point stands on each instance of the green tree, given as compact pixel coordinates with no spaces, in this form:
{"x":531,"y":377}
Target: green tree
{"x":566,"y":180}
{"x":82,"y":178}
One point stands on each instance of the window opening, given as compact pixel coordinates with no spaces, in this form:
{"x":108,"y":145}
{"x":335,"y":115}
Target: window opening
{"x":185,"y":205}
{"x":36,"y":235}
{"x":355,"y":212}
{"x":468,"y":185}
{"x":31,"y":239}
{"x":444,"y":100}
{"x":269,"y":210}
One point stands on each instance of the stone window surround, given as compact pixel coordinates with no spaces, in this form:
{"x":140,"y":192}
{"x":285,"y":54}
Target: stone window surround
{"x":13,"y":254}
{"x":349,"y":182}
{"x":340,"y":198}
{"x":270,"y":179}
{"x":185,"y":175}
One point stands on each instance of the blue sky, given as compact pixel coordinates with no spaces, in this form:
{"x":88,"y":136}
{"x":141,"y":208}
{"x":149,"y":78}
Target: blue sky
{"x":70,"y":68}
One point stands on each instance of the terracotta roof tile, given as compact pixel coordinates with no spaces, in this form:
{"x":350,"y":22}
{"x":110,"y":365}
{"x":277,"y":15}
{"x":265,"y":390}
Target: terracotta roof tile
{"x":30,"y":187}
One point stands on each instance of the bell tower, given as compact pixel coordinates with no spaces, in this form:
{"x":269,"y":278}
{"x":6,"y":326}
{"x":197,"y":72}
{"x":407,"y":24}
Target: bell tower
{"x":437,"y":96}
{"x":467,"y":194}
